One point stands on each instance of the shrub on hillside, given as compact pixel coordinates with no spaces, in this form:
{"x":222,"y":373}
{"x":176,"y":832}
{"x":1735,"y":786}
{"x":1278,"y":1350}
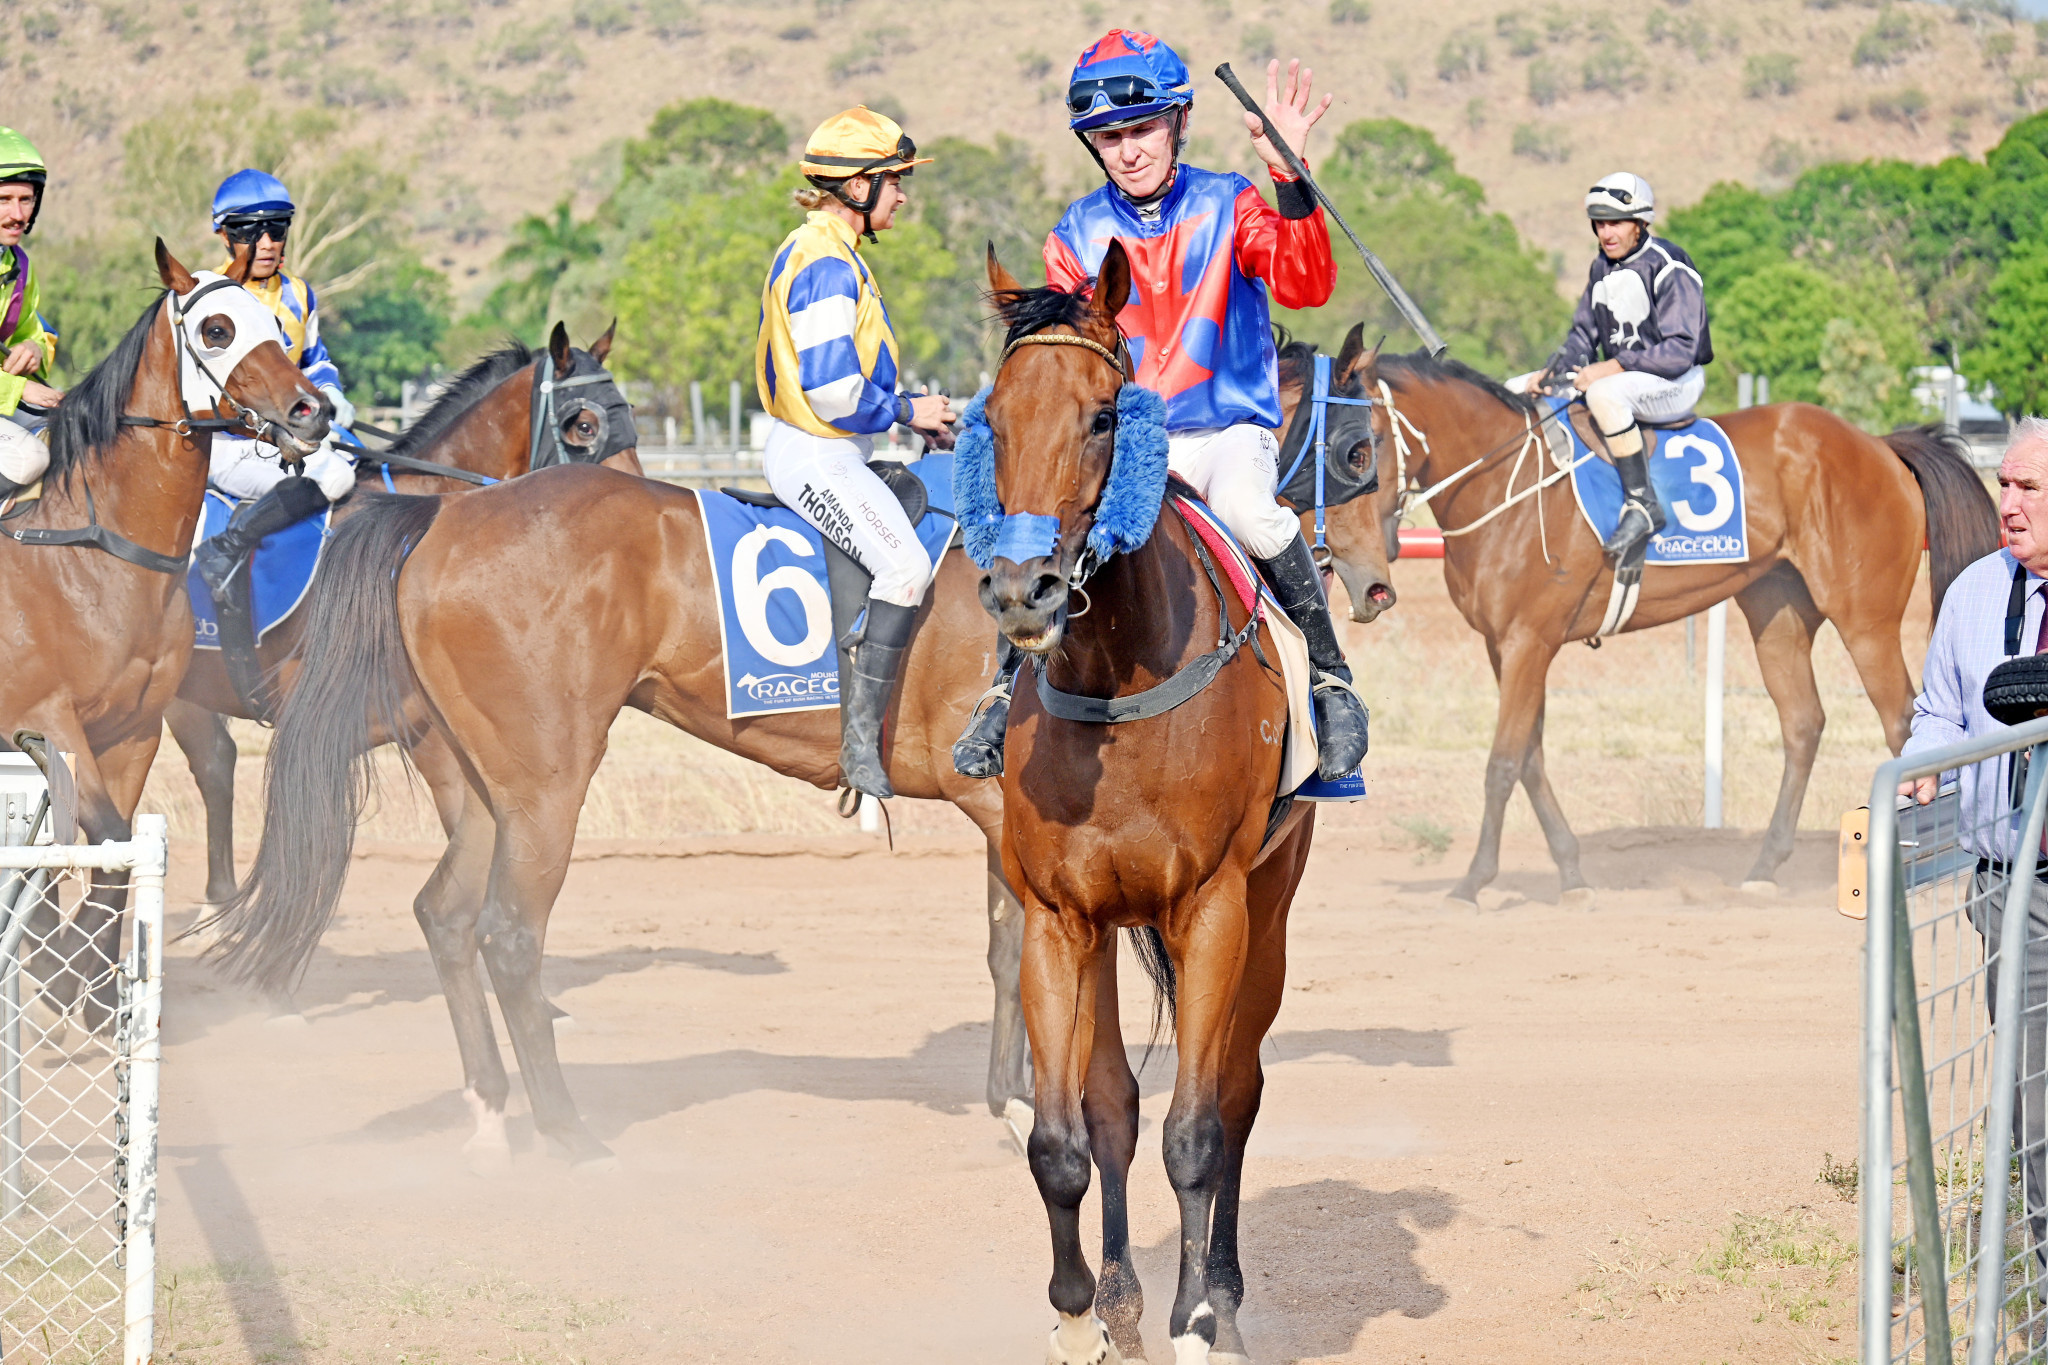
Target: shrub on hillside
{"x":1260,"y":44}
{"x":672,"y":19}
{"x":1686,"y":32}
{"x":1034,"y":66}
{"x":41,"y":27}
{"x":1540,"y":143}
{"x":1513,"y":28}
{"x":602,"y":17}
{"x":1546,"y":82}
{"x":1770,"y":73}
{"x":1616,"y":67}
{"x":1896,"y":35}
{"x":1462,"y":55}
{"x":356,"y":87}
{"x":1998,"y":48}
{"x":1908,"y":106}
{"x":1350,"y":11}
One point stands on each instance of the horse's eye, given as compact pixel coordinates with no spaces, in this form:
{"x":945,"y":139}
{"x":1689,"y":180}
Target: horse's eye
{"x":219,"y":334}
{"x":1104,"y":420}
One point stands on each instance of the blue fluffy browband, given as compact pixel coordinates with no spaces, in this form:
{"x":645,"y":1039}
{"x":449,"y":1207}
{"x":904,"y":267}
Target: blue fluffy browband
{"x":1128,"y":508}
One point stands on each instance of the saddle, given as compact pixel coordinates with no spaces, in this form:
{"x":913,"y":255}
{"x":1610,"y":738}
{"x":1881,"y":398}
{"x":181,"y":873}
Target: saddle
{"x":14,"y":499}
{"x":847,"y":580}
{"x":1582,"y":422}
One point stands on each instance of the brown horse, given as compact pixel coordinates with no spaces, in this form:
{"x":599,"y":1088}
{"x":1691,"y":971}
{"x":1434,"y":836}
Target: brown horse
{"x":1164,"y":825}
{"x":98,"y":625}
{"x":1835,"y":518}
{"x":482,"y":422}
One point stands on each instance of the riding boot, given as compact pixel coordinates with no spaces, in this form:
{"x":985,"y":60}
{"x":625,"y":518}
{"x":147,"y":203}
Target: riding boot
{"x":876,"y":661}
{"x":1641,"y":516}
{"x":1340,"y":714}
{"x":219,"y":560}
{"x":979,"y":752}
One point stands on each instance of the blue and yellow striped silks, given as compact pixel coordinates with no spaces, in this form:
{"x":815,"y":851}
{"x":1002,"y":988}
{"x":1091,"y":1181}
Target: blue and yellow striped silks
{"x":825,"y":357}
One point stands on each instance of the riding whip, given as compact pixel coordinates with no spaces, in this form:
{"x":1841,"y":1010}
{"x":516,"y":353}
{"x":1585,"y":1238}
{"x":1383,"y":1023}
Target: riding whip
{"x":1404,"y":305}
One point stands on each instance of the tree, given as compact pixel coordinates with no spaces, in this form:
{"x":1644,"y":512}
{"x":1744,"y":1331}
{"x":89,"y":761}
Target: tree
{"x":545,"y":249}
{"x":2010,"y":357}
{"x":391,"y":330}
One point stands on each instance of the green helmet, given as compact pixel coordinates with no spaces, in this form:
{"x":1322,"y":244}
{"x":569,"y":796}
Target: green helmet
{"x":20,"y":161}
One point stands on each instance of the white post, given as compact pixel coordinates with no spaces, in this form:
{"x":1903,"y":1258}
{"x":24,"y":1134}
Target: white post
{"x":668,"y":432}
{"x":870,"y":815}
{"x":145,"y":1058}
{"x":1745,"y":390}
{"x":1763,"y":389}
{"x":697,"y":414}
{"x":408,"y":394}
{"x":1717,"y":661}
{"x":734,"y":394}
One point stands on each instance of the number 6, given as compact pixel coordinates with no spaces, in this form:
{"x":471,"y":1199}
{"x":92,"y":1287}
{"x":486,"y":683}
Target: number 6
{"x":750,"y":597}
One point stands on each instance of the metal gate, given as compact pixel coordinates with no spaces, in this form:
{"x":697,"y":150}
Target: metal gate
{"x":1944,"y":1208}
{"x":81,"y":988}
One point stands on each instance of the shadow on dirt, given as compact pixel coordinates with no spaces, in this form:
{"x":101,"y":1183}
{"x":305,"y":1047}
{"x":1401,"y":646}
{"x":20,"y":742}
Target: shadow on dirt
{"x":944,"y":1074}
{"x":1321,"y":1260}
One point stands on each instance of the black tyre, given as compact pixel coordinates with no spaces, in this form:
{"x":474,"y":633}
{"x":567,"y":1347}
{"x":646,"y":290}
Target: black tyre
{"x":2017,"y":689}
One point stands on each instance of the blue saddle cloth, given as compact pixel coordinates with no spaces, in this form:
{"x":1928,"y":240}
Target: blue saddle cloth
{"x":280,"y":574}
{"x":1696,"y":477}
{"x":774,"y":604}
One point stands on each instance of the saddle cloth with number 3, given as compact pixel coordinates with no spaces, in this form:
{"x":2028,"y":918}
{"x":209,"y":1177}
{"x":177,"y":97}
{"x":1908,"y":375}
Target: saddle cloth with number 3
{"x":1696,"y":477}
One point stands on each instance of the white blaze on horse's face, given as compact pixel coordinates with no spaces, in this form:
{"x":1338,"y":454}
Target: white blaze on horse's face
{"x":208,"y":354}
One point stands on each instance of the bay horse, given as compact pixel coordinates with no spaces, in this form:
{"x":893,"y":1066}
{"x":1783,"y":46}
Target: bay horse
{"x":1836,"y":518}
{"x":484,"y":422}
{"x":92,"y":574}
{"x":1162,"y":825}
{"x":523,"y":671}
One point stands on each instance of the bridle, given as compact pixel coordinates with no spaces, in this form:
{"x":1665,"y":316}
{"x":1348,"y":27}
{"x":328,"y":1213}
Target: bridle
{"x":543,"y":425}
{"x":1315,"y":435}
{"x":1088,"y":561}
{"x":247,"y":419}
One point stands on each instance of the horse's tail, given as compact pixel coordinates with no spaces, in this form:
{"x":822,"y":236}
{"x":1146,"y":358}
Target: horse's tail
{"x":320,"y":774}
{"x":1962,"y":520}
{"x":1150,"y":950}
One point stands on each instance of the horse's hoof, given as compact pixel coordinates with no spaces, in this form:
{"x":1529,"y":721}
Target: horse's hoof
{"x":1578,"y":898}
{"x":1018,"y":1117}
{"x":1081,"y":1341}
{"x":1462,"y":902}
{"x":1761,"y":888}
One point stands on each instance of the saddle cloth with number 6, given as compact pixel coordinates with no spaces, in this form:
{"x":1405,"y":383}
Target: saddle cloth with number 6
{"x":1696,"y":477}
{"x":775,"y":602}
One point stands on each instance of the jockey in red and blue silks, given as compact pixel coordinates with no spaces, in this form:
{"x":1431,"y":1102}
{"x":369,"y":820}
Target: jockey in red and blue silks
{"x":1207,"y":253}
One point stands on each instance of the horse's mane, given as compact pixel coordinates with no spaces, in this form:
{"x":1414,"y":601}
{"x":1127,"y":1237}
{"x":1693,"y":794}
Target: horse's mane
{"x":89,"y":418}
{"x":463,"y":392}
{"x":1296,"y":358}
{"x":1027,"y":312}
{"x":1422,"y":366}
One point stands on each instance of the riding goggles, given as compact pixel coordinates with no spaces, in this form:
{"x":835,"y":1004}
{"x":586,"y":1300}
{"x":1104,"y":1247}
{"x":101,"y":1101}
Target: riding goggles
{"x":243,"y":231}
{"x":1122,"y":92}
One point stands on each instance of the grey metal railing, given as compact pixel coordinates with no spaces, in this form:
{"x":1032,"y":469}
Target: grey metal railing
{"x":1940,"y":878}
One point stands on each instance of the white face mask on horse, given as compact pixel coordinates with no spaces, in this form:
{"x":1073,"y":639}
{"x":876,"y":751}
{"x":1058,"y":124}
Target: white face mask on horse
{"x":217,"y":325}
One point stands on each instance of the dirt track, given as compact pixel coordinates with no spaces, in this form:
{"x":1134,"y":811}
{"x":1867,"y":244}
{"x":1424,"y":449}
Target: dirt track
{"x":1524,"y":1133}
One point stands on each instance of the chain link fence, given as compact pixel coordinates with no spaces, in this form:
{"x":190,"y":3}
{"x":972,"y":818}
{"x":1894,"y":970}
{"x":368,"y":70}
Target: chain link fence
{"x":81,"y":934}
{"x":1952,"y":1182}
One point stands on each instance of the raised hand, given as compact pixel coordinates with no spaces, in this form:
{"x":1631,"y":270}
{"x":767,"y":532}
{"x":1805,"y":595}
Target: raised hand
{"x":1291,"y":114}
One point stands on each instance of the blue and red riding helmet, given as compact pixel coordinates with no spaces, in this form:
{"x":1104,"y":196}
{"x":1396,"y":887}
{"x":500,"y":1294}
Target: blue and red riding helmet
{"x":1126,"y":77}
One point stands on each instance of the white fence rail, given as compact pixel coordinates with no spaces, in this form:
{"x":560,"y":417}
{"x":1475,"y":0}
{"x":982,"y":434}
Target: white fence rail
{"x":81,"y":995}
{"x":1947,"y":1212}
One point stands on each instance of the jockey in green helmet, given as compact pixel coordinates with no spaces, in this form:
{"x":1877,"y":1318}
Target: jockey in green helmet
{"x":27,"y":347}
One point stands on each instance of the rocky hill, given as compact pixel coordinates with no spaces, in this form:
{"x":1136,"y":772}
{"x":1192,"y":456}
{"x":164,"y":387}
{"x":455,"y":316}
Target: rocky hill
{"x":496,"y":110}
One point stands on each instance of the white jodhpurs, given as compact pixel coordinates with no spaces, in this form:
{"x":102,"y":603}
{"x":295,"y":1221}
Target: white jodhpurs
{"x":23,"y":456}
{"x":827,"y":482}
{"x":1234,"y":470}
{"x":1621,"y":400}
{"x":245,"y":468}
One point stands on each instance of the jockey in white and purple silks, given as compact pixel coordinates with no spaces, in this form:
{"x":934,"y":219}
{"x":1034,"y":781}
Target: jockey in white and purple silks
{"x":1207,"y":253}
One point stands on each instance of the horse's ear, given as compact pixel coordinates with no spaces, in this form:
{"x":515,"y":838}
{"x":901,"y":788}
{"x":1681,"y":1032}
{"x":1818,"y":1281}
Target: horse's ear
{"x":241,"y":262}
{"x":1000,"y":281}
{"x":1354,"y":353}
{"x":558,"y":348}
{"x":1113,"y":283}
{"x":602,"y":347}
{"x":176,"y":277}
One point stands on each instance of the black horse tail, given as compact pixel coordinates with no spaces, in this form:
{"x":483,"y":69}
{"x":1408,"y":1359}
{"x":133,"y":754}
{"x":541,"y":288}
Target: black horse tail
{"x":320,"y":775}
{"x":1962,"y":519}
{"x":1150,"y":950}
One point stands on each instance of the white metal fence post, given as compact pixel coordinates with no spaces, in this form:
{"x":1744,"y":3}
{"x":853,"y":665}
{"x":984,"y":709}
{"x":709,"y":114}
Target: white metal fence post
{"x":1717,"y":668}
{"x":697,"y":414}
{"x":733,"y":436}
{"x":145,"y":1058}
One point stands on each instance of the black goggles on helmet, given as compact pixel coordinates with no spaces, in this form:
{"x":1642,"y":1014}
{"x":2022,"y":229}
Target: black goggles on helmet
{"x":1123,"y":92}
{"x":1620,"y":196}
{"x":243,"y":231}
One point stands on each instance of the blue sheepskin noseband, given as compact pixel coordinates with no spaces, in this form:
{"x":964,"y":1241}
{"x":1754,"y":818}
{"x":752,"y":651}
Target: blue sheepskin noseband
{"x":1124,"y":515}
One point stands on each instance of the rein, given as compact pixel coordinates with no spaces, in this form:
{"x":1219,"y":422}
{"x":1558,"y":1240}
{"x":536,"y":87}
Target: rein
{"x":1317,"y":438}
{"x":1531,"y":439}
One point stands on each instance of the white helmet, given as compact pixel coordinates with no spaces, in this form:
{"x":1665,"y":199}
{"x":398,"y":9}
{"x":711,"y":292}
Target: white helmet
{"x":1620,"y":196}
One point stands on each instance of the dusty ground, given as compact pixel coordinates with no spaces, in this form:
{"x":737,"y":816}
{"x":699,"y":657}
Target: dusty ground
{"x":1524,"y":1133}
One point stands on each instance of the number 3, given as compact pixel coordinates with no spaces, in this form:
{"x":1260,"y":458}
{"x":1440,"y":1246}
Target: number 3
{"x":750,"y":597}
{"x":1707,"y":474}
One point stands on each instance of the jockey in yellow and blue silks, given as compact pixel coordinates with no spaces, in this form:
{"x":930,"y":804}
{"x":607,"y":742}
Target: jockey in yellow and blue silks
{"x":27,"y":347}
{"x":826,"y":363}
{"x":254,"y":209}
{"x":1207,"y":254}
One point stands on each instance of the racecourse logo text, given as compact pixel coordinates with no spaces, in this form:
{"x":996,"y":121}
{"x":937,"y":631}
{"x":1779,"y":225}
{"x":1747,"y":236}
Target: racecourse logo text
{"x":791,"y":687}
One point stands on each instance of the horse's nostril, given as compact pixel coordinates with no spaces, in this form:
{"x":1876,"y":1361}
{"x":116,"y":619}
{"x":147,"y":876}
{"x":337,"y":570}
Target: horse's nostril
{"x":1043,"y":589}
{"x":1379,"y":594}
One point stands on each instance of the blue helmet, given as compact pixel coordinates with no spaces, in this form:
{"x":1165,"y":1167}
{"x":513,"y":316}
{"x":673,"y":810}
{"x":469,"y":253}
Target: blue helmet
{"x":1126,"y":77}
{"x":251,"y":194}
